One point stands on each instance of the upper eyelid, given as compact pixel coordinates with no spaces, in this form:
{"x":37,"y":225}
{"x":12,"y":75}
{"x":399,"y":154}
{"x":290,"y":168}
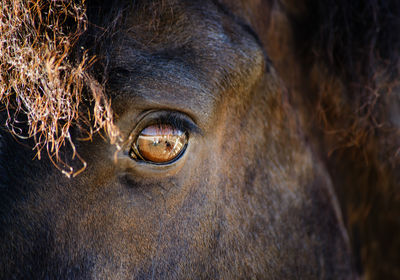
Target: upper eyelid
{"x":179,"y":122}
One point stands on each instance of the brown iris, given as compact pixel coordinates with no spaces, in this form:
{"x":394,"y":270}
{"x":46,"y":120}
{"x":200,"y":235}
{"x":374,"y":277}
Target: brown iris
{"x":161,"y":143}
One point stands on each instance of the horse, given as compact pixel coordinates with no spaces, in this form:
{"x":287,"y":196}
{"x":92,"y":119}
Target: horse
{"x":213,"y":139}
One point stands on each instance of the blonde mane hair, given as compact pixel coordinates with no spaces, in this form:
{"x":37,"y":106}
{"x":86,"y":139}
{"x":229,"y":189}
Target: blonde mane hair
{"x":40,"y":86}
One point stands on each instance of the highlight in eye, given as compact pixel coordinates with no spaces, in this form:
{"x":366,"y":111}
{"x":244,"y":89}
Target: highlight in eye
{"x":160,"y":144}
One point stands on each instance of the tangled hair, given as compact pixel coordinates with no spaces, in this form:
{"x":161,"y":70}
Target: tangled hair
{"x":359,"y":42}
{"x":45,"y":83}
{"x":356,"y":36}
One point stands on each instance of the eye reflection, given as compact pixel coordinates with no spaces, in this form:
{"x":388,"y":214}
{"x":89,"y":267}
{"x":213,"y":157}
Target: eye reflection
{"x":161,"y":143}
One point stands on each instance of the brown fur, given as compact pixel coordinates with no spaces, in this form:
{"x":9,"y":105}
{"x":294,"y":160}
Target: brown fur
{"x":293,"y":116}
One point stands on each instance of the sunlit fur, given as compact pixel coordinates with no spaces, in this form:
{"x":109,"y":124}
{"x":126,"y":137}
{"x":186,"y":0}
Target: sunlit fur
{"x":41,"y":83}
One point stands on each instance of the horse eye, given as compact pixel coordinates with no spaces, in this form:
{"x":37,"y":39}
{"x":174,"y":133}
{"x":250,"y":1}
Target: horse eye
{"x":159,"y":144}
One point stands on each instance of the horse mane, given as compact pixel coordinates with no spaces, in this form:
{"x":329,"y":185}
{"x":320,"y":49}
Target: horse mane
{"x":356,"y":44}
{"x":356,"y":37}
{"x":45,"y":79}
{"x":359,"y":42}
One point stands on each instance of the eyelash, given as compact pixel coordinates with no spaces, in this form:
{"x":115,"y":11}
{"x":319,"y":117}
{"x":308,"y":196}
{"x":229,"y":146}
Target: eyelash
{"x":176,"y":121}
